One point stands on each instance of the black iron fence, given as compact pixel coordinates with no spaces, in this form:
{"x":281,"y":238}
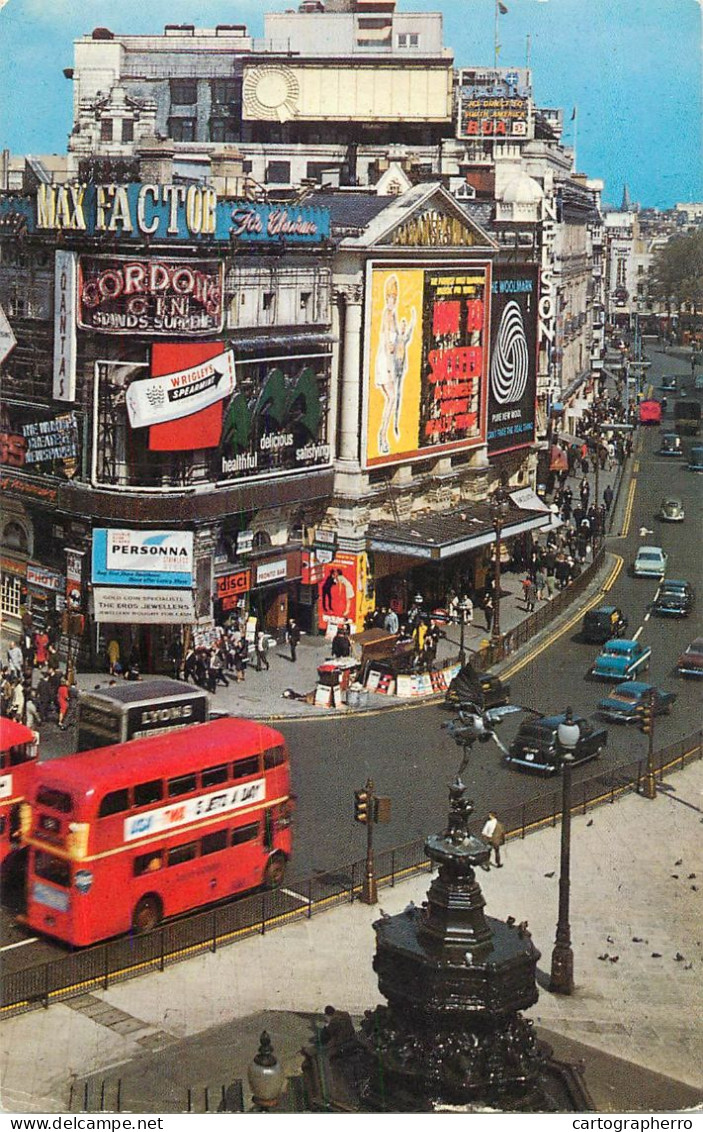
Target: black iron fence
{"x":118,"y":960}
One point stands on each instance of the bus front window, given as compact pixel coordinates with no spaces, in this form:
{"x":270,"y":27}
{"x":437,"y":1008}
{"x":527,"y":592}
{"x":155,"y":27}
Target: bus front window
{"x":51,"y":868}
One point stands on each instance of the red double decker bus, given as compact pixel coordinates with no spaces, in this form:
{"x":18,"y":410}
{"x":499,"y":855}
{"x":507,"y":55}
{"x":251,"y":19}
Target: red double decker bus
{"x":19,"y":747}
{"x":125,"y":835}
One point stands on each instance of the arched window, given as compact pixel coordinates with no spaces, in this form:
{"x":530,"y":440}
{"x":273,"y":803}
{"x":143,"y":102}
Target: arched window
{"x":14,"y":537}
{"x":261,"y":540}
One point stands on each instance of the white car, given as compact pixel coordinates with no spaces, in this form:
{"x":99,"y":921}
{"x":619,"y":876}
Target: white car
{"x":650,"y":562}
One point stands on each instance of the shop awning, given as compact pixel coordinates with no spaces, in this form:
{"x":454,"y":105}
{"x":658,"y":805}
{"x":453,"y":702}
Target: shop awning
{"x":442,"y":536}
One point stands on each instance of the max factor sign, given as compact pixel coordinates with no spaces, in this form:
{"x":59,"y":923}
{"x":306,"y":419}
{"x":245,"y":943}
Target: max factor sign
{"x":165,"y":212}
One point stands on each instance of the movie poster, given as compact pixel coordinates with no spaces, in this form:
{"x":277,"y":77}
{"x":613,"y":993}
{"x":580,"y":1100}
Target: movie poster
{"x":512,"y":379}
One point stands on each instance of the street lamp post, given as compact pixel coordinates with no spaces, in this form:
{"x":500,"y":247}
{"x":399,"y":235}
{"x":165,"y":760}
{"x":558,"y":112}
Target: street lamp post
{"x":498,"y":517}
{"x":562,"y":973}
{"x":463,"y":612}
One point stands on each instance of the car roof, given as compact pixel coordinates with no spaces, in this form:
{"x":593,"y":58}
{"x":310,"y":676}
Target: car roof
{"x":602,"y":609}
{"x":645,"y":549}
{"x":674,"y":583}
{"x":635,"y":686}
{"x":696,"y":645}
{"x":619,"y":645}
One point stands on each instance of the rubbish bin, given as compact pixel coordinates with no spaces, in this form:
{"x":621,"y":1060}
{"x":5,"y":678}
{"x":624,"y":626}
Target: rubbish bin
{"x":357,"y":696}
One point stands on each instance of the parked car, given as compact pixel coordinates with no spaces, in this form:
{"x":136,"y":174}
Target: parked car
{"x":624,"y":704}
{"x":669,"y":383}
{"x":670,"y":444}
{"x":671,"y":510}
{"x":695,"y":460}
{"x":603,"y":623}
{"x":621,"y":660}
{"x":468,"y":684}
{"x":650,"y":562}
{"x":690,"y":663}
{"x":536,"y":747}
{"x":676,"y":598}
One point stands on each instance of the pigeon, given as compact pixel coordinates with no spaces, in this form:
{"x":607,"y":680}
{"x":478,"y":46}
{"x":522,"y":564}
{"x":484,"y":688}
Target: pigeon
{"x":656,"y":955}
{"x":510,"y":921}
{"x":674,"y":876}
{"x":638,"y":939}
{"x":679,"y":862}
{"x":688,"y":967}
{"x":522,"y":928}
{"x":694,"y":888}
{"x":679,"y":958}
{"x":589,"y":823}
{"x":691,"y":876}
{"x":384,"y":915}
{"x":602,"y":957}
{"x":609,"y":939}
{"x":550,"y":874}
{"x":614,"y":958}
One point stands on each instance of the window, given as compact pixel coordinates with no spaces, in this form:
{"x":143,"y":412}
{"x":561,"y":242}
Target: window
{"x":213,"y":842}
{"x":247,"y":166}
{"x":184,"y":92}
{"x":275,"y":757}
{"x":243,"y":768}
{"x":278,"y":173}
{"x":245,"y":833}
{"x":148,"y":792}
{"x":413,"y":40}
{"x":54,"y":799}
{"x":106,"y":129}
{"x":52,"y":868}
{"x":223,"y":130}
{"x":127,"y":129}
{"x":147,"y":863}
{"x":224,"y":91}
{"x":23,"y":753}
{"x":182,"y":129}
{"x":114,"y":803}
{"x":268,"y":298}
{"x":182,"y":853}
{"x":11,"y":595}
{"x":214,"y":775}
{"x":183,"y":785}
{"x":402,"y":40}
{"x":305,"y":297}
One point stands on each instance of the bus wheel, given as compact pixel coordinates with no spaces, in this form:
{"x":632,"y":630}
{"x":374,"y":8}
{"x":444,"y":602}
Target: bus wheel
{"x":147,"y":914}
{"x":275,"y":871}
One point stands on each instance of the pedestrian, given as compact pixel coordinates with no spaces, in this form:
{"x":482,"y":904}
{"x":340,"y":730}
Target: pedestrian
{"x":240,"y":658}
{"x":488,"y":610}
{"x":293,"y":638}
{"x":62,"y":700}
{"x":113,"y":655}
{"x":493,"y":833}
{"x":44,"y":698}
{"x":261,"y":645}
{"x":216,"y":671}
{"x":531,"y":596}
{"x":540,"y":583}
{"x":341,"y":645}
{"x":17,"y":702}
{"x":32,"y":716}
{"x":391,"y":624}
{"x":608,"y":497}
{"x":41,"y":645}
{"x":15,"y":659}
{"x":190,"y":665}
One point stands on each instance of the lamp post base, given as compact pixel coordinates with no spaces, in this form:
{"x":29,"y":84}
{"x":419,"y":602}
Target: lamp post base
{"x":561,"y":980}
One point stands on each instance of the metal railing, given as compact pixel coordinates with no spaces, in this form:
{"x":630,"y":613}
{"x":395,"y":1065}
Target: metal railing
{"x":117,"y":960}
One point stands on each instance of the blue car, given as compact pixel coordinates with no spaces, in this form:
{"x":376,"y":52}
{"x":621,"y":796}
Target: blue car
{"x":624,"y":703}
{"x":621,"y":660}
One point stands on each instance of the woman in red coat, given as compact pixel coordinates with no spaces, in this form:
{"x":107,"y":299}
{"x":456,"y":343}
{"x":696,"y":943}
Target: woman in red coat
{"x":62,"y":695}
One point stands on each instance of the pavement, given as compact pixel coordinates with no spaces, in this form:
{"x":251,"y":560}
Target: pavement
{"x":265,"y":695}
{"x":634,"y":1019}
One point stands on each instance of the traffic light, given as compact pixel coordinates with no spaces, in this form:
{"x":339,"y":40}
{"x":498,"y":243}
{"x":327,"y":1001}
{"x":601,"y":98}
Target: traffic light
{"x":361,"y":806}
{"x":646,"y":713}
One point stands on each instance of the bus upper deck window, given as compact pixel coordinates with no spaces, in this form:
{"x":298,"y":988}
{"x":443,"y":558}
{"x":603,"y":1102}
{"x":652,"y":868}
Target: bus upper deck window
{"x":275,"y":756}
{"x":54,"y":799}
{"x":214,"y":775}
{"x":243,"y":768}
{"x":185,"y":784}
{"x":145,"y":793}
{"x":116,"y":802}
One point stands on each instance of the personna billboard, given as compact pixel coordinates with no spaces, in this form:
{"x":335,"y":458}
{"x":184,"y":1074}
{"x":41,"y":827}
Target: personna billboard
{"x":143,"y":558}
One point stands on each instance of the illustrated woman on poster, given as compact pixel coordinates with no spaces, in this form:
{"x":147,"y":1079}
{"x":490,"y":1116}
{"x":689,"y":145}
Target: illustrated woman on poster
{"x":391,"y":361}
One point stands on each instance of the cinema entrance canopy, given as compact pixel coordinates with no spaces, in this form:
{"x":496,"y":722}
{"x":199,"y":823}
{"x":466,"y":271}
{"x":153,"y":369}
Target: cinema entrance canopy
{"x":439,"y":537}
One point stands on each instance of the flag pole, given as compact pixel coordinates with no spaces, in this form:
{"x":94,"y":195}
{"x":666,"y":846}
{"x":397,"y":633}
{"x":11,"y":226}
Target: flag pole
{"x":576,"y":123}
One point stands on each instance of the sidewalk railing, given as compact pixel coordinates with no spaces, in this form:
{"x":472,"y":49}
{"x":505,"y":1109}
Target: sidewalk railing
{"x":118,"y":960}
{"x":514,"y":639}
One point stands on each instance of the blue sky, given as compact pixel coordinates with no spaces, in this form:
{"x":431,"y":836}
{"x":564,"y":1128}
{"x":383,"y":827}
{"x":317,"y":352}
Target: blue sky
{"x":632,"y":67}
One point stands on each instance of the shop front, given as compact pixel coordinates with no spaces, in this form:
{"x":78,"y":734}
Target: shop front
{"x":275,"y":588}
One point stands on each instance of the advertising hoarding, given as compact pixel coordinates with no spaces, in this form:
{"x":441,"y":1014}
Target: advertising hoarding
{"x":427,"y":335}
{"x":142,"y":558}
{"x":494,"y":103}
{"x":65,"y":271}
{"x":123,"y":605}
{"x":180,"y":394}
{"x":164,"y":212}
{"x":512,"y":382}
{"x":160,"y":297}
